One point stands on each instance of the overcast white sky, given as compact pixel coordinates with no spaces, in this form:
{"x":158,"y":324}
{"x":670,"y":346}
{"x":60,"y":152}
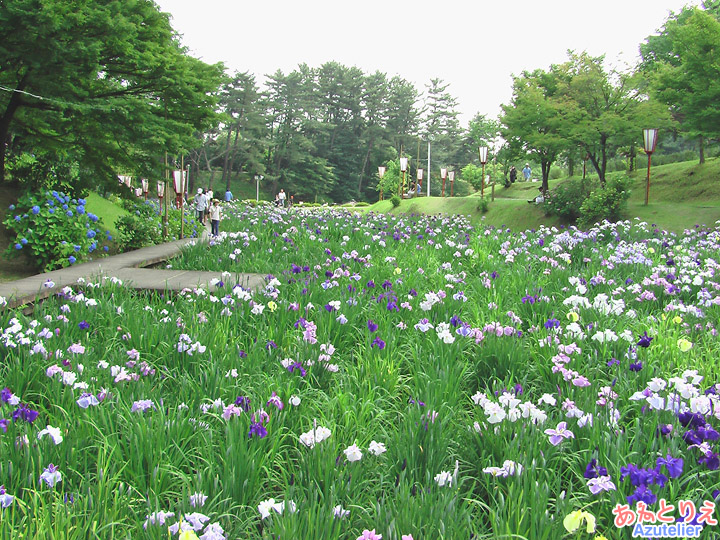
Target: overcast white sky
{"x":475,"y":45}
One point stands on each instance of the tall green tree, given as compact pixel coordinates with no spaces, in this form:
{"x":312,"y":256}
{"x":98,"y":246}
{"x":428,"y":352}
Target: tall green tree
{"x":440,"y":122}
{"x":534,"y":119}
{"x":687,"y":78}
{"x":604,"y":110}
{"x":105,"y":82}
{"x":244,"y":120}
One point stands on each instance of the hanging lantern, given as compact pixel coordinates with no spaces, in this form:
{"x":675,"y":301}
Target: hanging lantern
{"x":179,"y":181}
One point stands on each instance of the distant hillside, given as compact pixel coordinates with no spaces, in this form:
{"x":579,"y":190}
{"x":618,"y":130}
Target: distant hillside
{"x":682,"y":195}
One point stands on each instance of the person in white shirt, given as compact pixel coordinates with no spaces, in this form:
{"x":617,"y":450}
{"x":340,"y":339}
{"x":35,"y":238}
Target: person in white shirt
{"x":540,"y":198}
{"x":201,"y":204}
{"x":215,"y":216}
{"x":281,"y":197}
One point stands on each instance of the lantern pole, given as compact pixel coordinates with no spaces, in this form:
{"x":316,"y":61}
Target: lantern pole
{"x":483,"y":151}
{"x":650,"y":141}
{"x":381,"y":173}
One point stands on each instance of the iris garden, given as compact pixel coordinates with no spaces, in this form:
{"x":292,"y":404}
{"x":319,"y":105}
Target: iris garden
{"x":398,"y":377}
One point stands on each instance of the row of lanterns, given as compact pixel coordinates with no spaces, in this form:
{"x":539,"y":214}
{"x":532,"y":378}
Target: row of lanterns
{"x":445,"y":174}
{"x":650,"y":138}
{"x":180,"y":179}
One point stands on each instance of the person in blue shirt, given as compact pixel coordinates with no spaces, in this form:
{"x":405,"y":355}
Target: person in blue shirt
{"x":228,"y":196}
{"x":527,"y":171}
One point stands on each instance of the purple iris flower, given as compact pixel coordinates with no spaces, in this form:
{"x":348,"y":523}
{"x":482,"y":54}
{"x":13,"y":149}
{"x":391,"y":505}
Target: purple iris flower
{"x":711,"y":460}
{"x":642,"y":493}
{"x":690,"y":419}
{"x":379,"y":343}
{"x":636,"y":366}
{"x":243,"y":402}
{"x":83,"y":325}
{"x":23,"y":412}
{"x":5,"y":394}
{"x":372,"y":326}
{"x":593,"y":470}
{"x":673,"y":465}
{"x":257,"y":429}
{"x":708,"y":433}
{"x":297,"y":366}
{"x":644,"y":340}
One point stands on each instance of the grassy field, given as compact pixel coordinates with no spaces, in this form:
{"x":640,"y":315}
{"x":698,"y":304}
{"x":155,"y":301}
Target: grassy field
{"x":682,"y":195}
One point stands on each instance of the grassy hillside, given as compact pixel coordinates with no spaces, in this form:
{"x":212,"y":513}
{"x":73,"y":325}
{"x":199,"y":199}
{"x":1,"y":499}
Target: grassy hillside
{"x":682,"y":195}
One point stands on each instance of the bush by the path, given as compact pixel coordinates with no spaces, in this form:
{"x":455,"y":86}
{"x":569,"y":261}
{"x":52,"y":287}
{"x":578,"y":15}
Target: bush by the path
{"x":55,"y":228}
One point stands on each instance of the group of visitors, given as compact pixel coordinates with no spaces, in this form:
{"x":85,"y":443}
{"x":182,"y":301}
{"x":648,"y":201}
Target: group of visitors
{"x":208,"y":208}
{"x":526,"y":172}
{"x":281,"y":199}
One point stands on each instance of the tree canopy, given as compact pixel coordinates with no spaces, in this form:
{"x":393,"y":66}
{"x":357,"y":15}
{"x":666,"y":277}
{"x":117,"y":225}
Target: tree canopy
{"x":106,"y":83}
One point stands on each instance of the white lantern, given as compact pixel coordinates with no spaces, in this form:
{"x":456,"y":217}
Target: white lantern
{"x":403,"y":164}
{"x":145,"y":185}
{"x":161,"y":189}
{"x":381,"y":171}
{"x":650,"y":137}
{"x":179,"y":181}
{"x":483,"y":154}
{"x":419,"y":174}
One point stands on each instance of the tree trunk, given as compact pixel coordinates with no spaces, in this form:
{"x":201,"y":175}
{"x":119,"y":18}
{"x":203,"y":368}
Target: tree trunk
{"x":227,"y":154}
{"x":545,"y":167}
{"x":701,"y":144}
{"x":571,"y":165}
{"x":362,"y":172}
{"x":6,"y":119}
{"x":232,"y":158}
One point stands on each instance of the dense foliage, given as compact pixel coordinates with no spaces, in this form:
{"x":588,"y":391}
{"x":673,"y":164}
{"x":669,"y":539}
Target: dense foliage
{"x":103,"y":84}
{"x":397,"y":375}
{"x":144,"y":225}
{"x":55,"y":229}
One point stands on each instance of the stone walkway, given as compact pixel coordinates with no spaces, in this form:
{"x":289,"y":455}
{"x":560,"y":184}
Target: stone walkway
{"x":129,"y":268}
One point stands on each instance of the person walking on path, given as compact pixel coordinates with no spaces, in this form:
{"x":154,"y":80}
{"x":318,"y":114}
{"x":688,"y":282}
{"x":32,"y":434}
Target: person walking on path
{"x":527,"y":172}
{"x":228,"y":196}
{"x":281,"y":197}
{"x":215,"y":216}
{"x":200,"y":205}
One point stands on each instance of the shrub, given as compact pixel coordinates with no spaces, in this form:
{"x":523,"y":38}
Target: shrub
{"x":135,"y":232}
{"x":605,"y":202}
{"x":483,"y":206}
{"x":567,"y":198}
{"x":395,"y":200}
{"x":144,"y":225}
{"x":56,"y":229}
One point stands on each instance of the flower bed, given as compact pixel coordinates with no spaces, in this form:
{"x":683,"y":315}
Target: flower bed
{"x":398,"y":377}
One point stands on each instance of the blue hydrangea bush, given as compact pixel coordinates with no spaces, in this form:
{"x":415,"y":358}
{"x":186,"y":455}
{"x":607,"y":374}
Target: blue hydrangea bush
{"x":55,"y":229}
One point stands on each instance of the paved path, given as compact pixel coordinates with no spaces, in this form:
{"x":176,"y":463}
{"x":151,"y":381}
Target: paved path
{"x":128,"y":268}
